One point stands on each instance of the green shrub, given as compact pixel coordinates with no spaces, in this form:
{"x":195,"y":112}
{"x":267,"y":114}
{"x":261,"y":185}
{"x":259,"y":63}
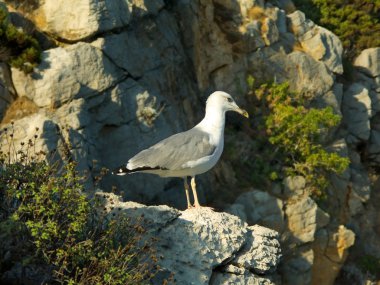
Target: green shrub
{"x":293,"y":137}
{"x":17,"y":48}
{"x":355,"y":22}
{"x":45,"y":220}
{"x":371,"y":264}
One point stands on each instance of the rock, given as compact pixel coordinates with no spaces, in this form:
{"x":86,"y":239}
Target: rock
{"x":308,"y":76}
{"x":296,"y":270}
{"x":89,"y":17}
{"x":330,"y":253}
{"x":356,"y":109}
{"x":192,"y":243}
{"x":7,"y":91}
{"x":261,"y":208}
{"x":247,"y":279}
{"x":270,"y":31}
{"x":26,"y":129}
{"x":261,"y":253}
{"x":301,"y":216}
{"x":323,"y":46}
{"x":294,"y":186}
{"x":323,"y":218}
{"x":368,"y":62}
{"x":137,"y":56}
{"x":78,"y":71}
{"x":298,"y":24}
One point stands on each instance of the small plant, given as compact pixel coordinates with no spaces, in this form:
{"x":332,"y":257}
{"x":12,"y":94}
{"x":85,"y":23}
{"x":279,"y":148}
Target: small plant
{"x":47,"y":221}
{"x":293,"y":136}
{"x":17,"y":48}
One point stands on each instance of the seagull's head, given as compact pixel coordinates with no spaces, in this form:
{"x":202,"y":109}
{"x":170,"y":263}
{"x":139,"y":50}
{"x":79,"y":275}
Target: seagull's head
{"x":223,"y":100}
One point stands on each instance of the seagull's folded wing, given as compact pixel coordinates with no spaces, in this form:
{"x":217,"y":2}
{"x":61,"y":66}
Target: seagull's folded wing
{"x":174,"y":152}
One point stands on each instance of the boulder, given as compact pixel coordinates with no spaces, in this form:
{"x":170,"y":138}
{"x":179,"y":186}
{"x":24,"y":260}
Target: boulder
{"x":77,"y":71}
{"x":368,"y":62}
{"x":191,"y":244}
{"x":323,"y":46}
{"x":89,"y":17}
{"x":330,"y":252}
{"x":357,"y":111}
{"x":260,"y":208}
{"x":301,"y":213}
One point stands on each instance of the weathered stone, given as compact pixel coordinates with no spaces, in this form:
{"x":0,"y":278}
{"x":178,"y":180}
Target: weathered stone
{"x":323,"y":218}
{"x":297,"y":269}
{"x":270,"y":31}
{"x":89,"y":17}
{"x":26,"y":129}
{"x":261,"y":253}
{"x":78,"y":71}
{"x":294,"y":186}
{"x":307,"y":75}
{"x":246,"y":279}
{"x":368,"y":62}
{"x":263,"y":209}
{"x":323,"y":46}
{"x":330,"y":253}
{"x":190,"y":244}
{"x":298,"y":24}
{"x":356,"y":109}
{"x":301,"y":216}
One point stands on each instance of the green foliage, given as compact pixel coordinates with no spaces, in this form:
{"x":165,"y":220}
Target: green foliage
{"x":17,"y":48}
{"x":293,"y":136}
{"x":355,"y":22}
{"x":46,"y":220}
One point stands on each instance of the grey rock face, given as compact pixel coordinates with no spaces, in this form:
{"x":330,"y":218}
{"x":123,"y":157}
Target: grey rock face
{"x":90,"y":17}
{"x":78,"y":71}
{"x":369,"y":62}
{"x":356,"y":108}
{"x":260,"y":208}
{"x":192,"y":243}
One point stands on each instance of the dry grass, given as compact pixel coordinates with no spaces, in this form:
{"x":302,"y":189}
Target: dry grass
{"x":256,"y":13}
{"x":18,"y":109}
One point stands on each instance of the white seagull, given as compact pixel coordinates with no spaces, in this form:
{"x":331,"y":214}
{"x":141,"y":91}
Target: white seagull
{"x":188,"y":153}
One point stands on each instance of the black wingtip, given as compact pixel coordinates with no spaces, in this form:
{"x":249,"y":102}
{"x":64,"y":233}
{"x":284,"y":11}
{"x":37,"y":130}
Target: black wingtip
{"x":122,"y":170}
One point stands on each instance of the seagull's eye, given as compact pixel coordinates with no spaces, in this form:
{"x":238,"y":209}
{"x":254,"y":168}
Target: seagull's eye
{"x":230,"y":100}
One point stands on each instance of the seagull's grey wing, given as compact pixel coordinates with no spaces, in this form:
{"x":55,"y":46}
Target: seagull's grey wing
{"x":173,"y":152}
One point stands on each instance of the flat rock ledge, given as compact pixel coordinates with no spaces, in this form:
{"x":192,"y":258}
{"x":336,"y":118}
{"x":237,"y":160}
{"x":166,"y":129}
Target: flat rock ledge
{"x":201,"y":246}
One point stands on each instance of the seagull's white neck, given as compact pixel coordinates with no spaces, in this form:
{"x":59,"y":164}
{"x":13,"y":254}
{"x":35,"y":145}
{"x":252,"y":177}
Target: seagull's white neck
{"x":214,"y":121}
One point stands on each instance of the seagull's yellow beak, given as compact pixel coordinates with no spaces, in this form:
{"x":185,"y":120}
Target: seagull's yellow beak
{"x":242,"y":112}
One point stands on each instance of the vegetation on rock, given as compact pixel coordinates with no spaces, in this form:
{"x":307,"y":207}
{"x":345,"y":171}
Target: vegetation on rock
{"x":17,"y":48}
{"x":48,"y":223}
{"x":355,"y":22}
{"x":292,"y":135}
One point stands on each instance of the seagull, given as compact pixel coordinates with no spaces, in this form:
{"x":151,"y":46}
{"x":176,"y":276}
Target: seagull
{"x":188,"y":153}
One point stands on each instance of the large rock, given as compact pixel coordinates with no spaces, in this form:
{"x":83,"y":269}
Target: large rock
{"x":258,"y":207}
{"x":356,"y":109}
{"x":78,"y":71}
{"x":89,"y":17}
{"x":301,"y":213}
{"x":330,"y":253}
{"x":192,"y":243}
{"x":368,"y":62}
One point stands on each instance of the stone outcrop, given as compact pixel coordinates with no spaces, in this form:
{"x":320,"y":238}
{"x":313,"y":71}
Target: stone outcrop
{"x":200,"y":246}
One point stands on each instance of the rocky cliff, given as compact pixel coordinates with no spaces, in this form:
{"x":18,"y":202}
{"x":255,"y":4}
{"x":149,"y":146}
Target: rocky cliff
{"x":116,"y":77}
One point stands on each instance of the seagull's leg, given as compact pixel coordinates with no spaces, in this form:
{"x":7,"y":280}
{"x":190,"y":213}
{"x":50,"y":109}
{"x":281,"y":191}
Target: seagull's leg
{"x":194,"y":188}
{"x":187,"y":192}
